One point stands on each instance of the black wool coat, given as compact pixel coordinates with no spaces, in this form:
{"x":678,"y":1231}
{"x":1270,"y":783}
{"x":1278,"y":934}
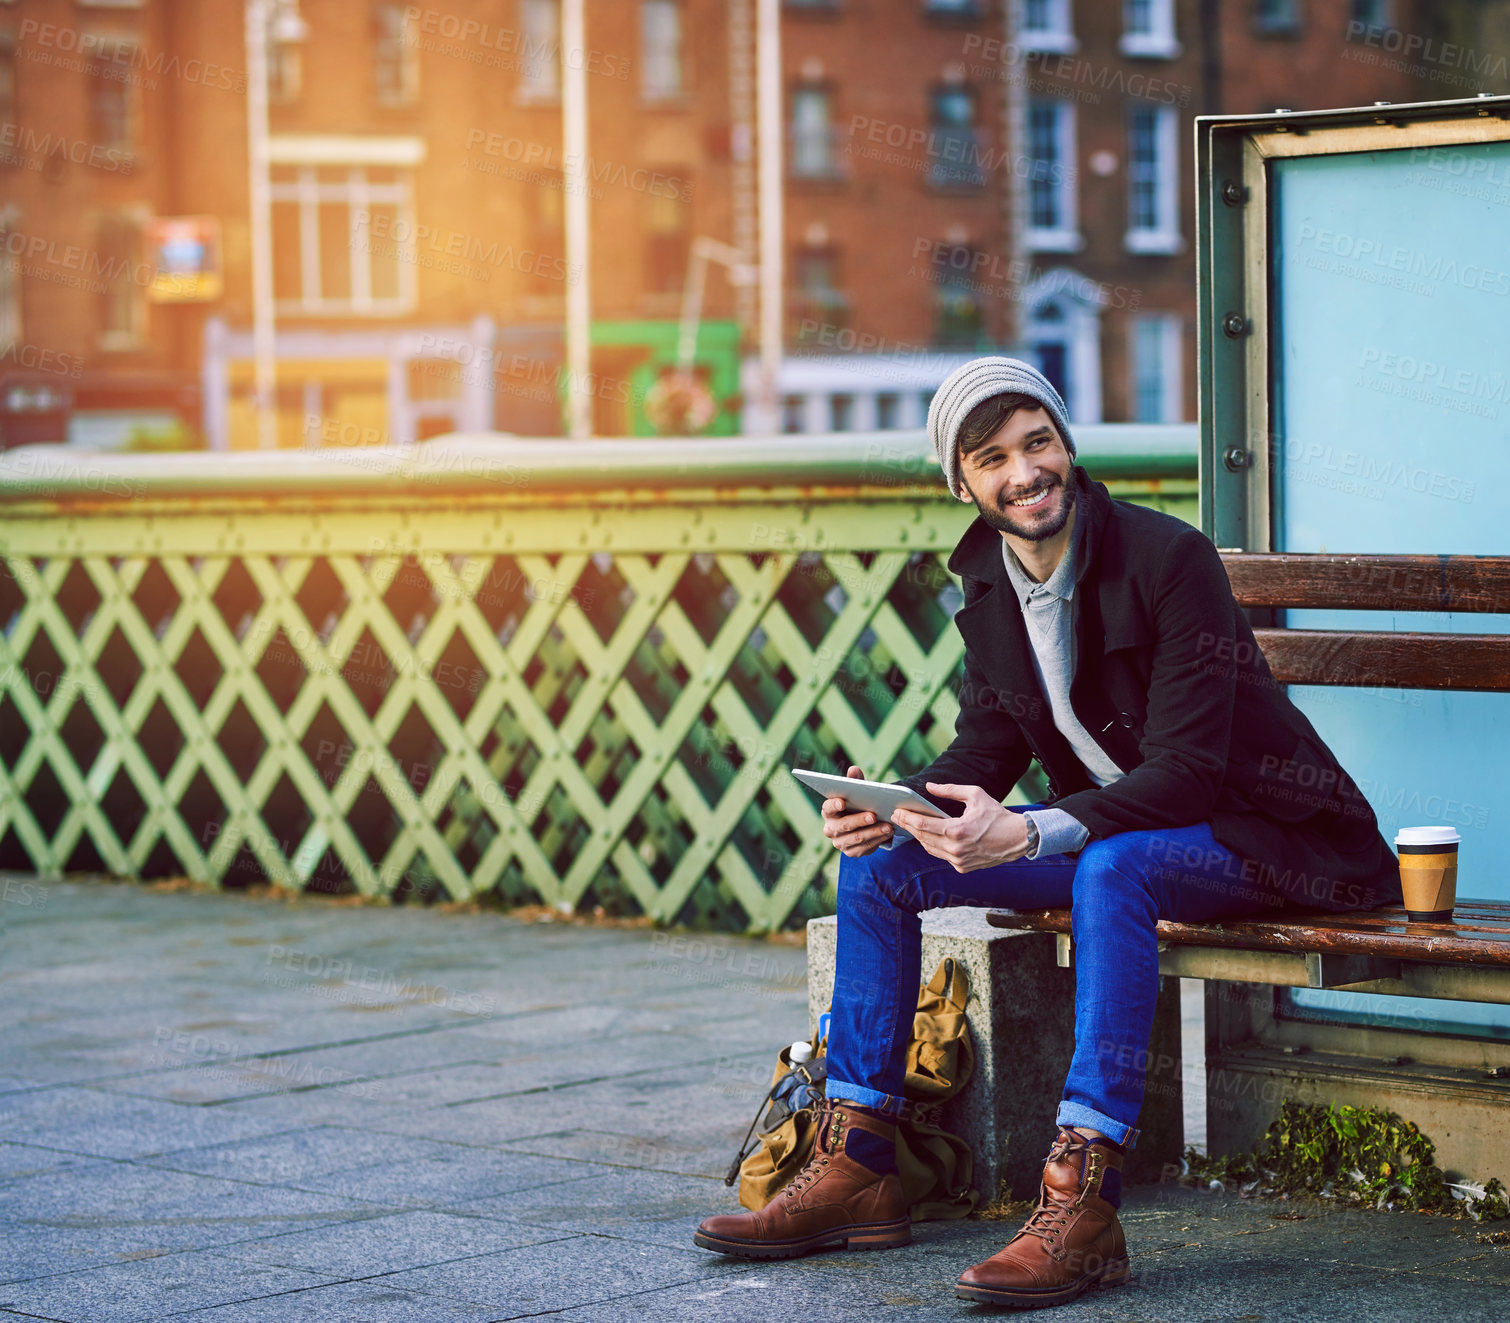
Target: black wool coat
{"x":1170,"y":682}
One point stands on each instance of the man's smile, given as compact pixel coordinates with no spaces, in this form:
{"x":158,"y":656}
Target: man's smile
{"x":1030,"y":502}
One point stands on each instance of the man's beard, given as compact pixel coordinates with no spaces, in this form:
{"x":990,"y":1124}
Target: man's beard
{"x":1030,"y":528}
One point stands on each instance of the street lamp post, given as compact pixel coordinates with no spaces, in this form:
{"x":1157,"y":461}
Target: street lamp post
{"x":772,"y":241}
{"x":277,"y":20}
{"x":578,"y":232}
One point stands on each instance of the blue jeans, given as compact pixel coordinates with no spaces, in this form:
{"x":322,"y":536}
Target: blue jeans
{"x":1117,"y":887}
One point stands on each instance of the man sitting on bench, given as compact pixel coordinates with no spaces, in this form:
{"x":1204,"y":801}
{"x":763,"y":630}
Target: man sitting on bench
{"x":1101,"y":638}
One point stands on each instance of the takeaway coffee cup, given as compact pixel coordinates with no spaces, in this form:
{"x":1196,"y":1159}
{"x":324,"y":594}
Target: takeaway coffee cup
{"x":1428,"y":871}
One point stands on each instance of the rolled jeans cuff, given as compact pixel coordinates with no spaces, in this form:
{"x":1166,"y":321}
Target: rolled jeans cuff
{"x":1073,"y":1113}
{"x":858,"y":1093}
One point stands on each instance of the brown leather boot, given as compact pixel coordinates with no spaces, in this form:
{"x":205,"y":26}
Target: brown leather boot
{"x":1071,"y":1242}
{"x":831,"y":1199}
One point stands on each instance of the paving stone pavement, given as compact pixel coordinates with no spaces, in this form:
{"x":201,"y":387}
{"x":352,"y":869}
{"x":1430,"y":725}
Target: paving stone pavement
{"x":226,"y":1108}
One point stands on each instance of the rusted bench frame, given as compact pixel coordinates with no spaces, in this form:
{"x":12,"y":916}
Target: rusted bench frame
{"x":1378,"y":951}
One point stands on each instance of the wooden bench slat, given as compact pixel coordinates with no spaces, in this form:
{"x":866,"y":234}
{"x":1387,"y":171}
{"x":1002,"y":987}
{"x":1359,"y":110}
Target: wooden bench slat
{"x":1464,"y":921}
{"x":1362,"y":582}
{"x":1480,"y":935}
{"x":1406,"y":661}
{"x":1488,"y":918}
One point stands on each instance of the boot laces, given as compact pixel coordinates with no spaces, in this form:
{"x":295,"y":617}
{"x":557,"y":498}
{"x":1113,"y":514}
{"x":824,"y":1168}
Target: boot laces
{"x":1062,"y":1147}
{"x":830,"y":1131}
{"x":1047,"y":1221}
{"x":1051,"y":1217}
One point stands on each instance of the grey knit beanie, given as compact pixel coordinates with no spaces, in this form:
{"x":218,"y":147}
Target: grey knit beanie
{"x":979,"y":380}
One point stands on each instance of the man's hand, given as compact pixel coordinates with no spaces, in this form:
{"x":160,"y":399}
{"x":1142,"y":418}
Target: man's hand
{"x":854,"y":834}
{"x":986,"y":834}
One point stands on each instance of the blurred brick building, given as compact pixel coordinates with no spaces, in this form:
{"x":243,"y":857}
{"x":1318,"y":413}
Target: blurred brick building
{"x":959,"y":176}
{"x":417,"y":207}
{"x":958,"y":181}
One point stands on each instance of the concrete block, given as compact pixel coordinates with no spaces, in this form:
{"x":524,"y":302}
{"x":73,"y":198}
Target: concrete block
{"x":1022,"y":1021}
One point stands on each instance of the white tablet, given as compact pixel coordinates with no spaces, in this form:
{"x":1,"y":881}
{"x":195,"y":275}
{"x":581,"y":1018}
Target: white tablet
{"x":878,"y":797}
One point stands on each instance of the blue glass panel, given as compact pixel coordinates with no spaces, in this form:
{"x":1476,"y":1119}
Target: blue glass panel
{"x":1392,"y":434}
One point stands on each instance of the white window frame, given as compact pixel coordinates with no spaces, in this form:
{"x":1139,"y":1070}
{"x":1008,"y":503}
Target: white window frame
{"x":408,"y":60}
{"x":658,"y":92}
{"x":1159,"y":41}
{"x":1169,"y":329}
{"x":306,"y":191}
{"x":129,"y":87}
{"x":539,"y":73}
{"x":1058,"y":37}
{"x":1064,"y":237}
{"x":1163,"y":236}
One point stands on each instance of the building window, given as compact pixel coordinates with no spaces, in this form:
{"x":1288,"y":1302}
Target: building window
{"x":793,"y":413}
{"x":343,"y":240}
{"x":10,"y":292}
{"x":1368,"y":14}
{"x":813,"y":155}
{"x":955,"y":145}
{"x":958,"y":312}
{"x":660,"y":49}
{"x":952,"y":8}
{"x":1046,"y":26}
{"x":888,"y":411}
{"x":395,"y":56}
{"x":547,"y":274}
{"x":7,"y":80}
{"x":820,"y":298}
{"x":123,"y":302}
{"x":112,"y":100}
{"x":668,"y":242}
{"x":539,"y":38}
{"x":1052,"y":223}
{"x":1153,"y":180}
{"x":1148,"y":29}
{"x":1156,"y":365}
{"x":1276,"y":18}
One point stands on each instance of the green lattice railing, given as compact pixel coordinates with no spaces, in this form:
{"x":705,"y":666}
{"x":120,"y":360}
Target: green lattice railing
{"x":540,"y":671}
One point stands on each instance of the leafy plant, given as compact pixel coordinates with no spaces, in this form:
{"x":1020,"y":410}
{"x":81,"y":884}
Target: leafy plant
{"x":1003,"y":1208}
{"x":1359,"y":1155}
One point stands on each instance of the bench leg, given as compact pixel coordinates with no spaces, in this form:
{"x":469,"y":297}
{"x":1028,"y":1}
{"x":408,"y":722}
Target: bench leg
{"x":1162,"y":1120}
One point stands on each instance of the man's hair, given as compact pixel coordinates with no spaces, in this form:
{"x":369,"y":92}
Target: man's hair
{"x":990,"y":416}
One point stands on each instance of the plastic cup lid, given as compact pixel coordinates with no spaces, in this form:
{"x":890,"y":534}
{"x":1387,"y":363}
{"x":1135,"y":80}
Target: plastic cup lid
{"x":799,"y":1052}
{"x":1427,"y":836}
